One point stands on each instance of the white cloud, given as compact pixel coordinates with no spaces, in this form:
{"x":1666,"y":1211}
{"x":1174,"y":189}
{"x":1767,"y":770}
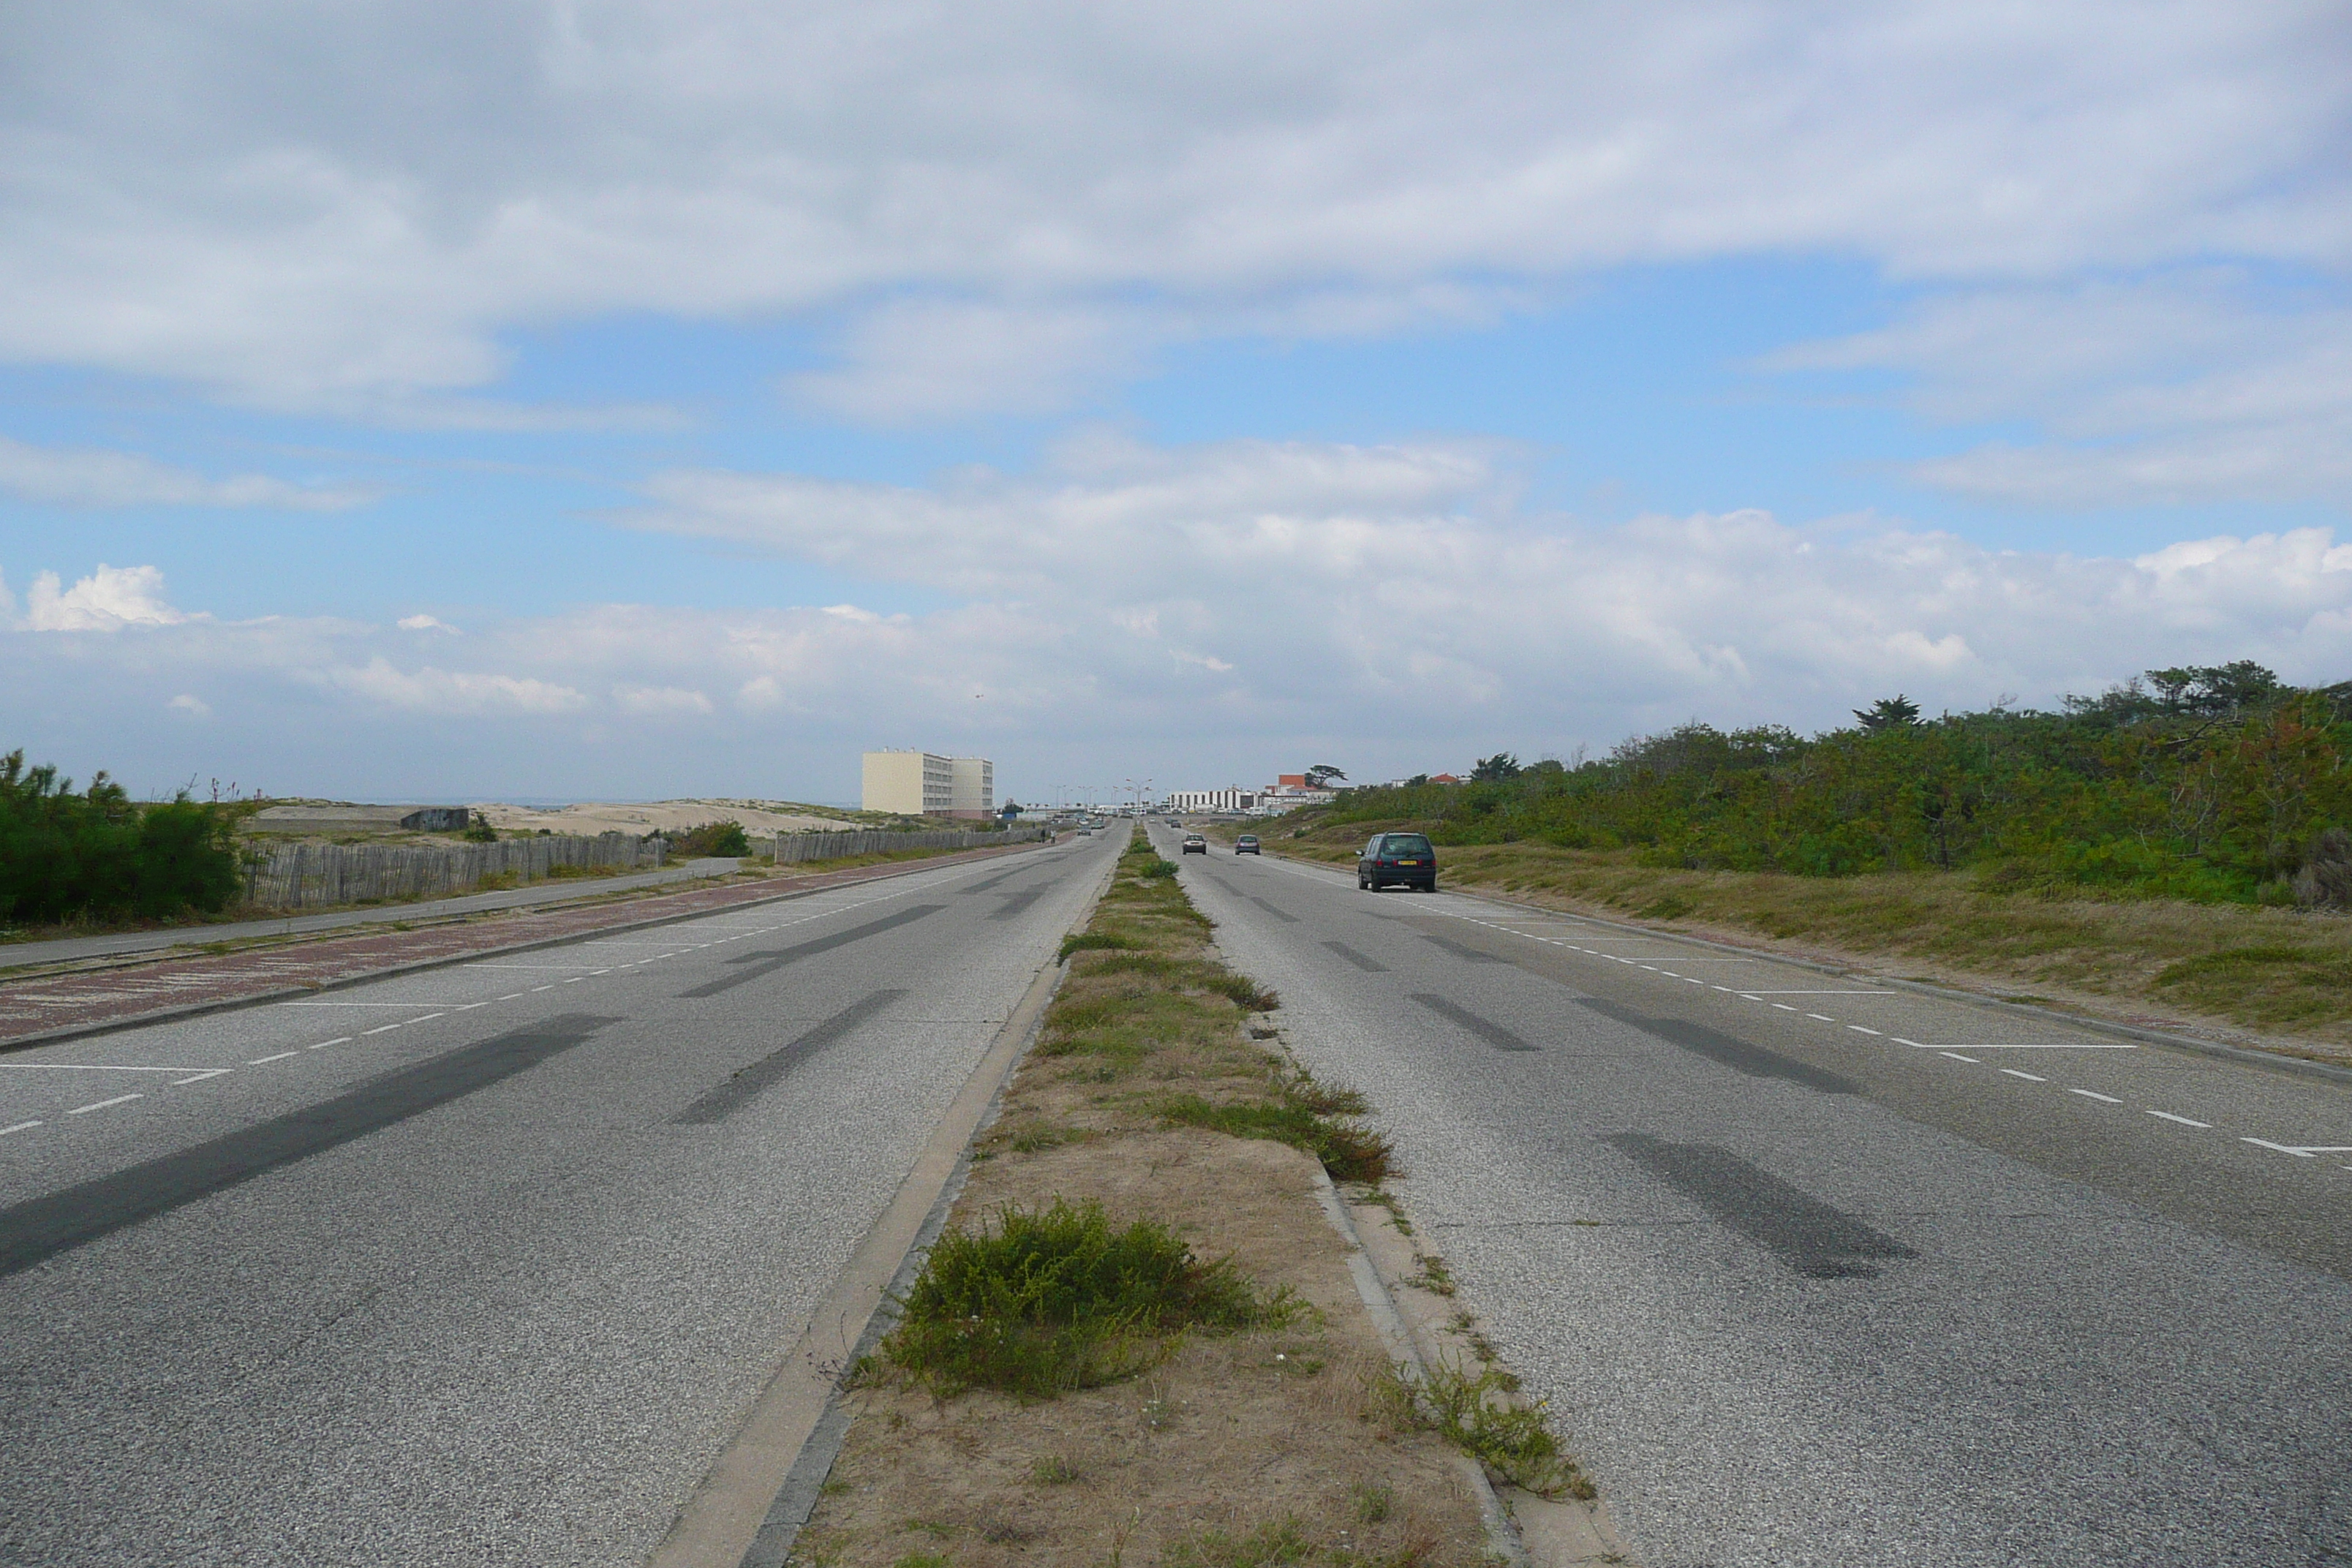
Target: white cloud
{"x":96,"y":478}
{"x":108,"y":600}
{"x":2196,"y":387}
{"x":1208,"y":611}
{"x":304,"y":206}
{"x":424,"y":623}
{"x":660,"y":702}
{"x":192,"y":706}
{"x":455,"y":693}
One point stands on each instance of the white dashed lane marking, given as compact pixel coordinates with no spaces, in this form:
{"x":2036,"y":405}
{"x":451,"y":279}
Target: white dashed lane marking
{"x":199,"y":1075}
{"x":1651,"y":963}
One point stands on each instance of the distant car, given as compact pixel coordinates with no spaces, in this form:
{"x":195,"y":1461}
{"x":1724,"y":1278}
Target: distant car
{"x":1246,"y":844}
{"x":1195,"y":845}
{"x":1406,"y":858}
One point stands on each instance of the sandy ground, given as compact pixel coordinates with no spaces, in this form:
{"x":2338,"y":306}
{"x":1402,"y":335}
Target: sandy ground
{"x":672,"y":816}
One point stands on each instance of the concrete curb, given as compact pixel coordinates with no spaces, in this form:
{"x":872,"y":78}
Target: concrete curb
{"x":2244,"y":1054}
{"x":1502,"y":1533}
{"x":445,"y":961}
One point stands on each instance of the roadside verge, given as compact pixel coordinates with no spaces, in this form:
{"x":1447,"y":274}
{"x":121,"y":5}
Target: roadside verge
{"x":45,"y":1010}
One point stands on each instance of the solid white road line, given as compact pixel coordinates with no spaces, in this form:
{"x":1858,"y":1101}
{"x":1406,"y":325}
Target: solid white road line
{"x":2182,"y":1120}
{"x":20,"y":1127}
{"x":101,"y":1105}
{"x":2302,"y":1151}
{"x":95,"y":1067}
{"x":281,"y":1057}
{"x":208,"y":1072}
{"x":1957,"y":1058}
{"x":380,"y":1029}
{"x":322,"y":1045}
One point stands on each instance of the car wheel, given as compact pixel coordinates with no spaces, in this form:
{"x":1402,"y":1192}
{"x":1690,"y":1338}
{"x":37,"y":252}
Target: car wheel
{"x":1362,"y":886}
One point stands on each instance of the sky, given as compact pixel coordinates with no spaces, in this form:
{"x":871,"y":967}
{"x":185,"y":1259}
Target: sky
{"x":588,"y":400}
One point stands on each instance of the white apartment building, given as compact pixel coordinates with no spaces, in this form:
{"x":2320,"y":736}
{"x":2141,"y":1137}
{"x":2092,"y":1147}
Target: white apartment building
{"x":975,"y":787}
{"x":919,"y":783}
{"x":1212,"y":800}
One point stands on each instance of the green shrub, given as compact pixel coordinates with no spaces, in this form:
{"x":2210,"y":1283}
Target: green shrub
{"x":1051,"y":1300}
{"x":2208,"y":785}
{"x":97,"y":856}
{"x":710,"y":839}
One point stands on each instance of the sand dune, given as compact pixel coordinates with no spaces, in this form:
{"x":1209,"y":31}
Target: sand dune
{"x":670,"y":815}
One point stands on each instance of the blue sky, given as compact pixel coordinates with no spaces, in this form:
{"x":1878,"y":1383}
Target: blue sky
{"x":718,"y":391}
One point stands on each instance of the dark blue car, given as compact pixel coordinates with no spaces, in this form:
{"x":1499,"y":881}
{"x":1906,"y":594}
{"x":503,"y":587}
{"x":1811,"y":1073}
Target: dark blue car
{"x":1404,"y":859}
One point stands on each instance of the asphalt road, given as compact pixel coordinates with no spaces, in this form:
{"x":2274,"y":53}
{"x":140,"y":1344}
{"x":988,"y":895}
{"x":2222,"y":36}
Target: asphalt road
{"x":1815,"y":1272}
{"x":481,"y":1266}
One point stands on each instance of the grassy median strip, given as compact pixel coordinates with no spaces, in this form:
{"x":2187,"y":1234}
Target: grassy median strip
{"x":1139,"y":1341}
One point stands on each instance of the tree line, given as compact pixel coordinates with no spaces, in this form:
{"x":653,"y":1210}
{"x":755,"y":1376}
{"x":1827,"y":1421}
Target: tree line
{"x":97,"y":855}
{"x":2211,"y":783}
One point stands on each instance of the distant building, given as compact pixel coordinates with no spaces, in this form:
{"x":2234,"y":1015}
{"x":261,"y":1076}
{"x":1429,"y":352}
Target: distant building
{"x":919,"y":783}
{"x":1212,"y":800}
{"x":975,"y":787}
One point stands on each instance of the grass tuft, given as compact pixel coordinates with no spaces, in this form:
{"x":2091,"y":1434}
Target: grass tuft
{"x":1051,"y":1300}
{"x":1350,"y":1152}
{"x":1475,"y":1413}
{"x":1095,"y":942}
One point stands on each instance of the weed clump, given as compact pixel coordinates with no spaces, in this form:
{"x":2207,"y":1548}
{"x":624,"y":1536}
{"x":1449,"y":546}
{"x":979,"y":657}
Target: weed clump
{"x":1476,"y":1415}
{"x":1051,"y":1300}
{"x":1348,"y":1151}
{"x":1095,"y":942}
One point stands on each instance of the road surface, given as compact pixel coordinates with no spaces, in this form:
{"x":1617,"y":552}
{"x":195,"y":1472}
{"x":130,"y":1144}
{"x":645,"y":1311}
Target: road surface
{"x":1819,"y":1272}
{"x":480,"y":1265}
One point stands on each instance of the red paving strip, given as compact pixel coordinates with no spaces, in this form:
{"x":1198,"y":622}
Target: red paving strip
{"x":35,"y":1011}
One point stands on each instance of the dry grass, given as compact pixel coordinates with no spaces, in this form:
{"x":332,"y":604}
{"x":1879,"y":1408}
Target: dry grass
{"x":2279,"y":978}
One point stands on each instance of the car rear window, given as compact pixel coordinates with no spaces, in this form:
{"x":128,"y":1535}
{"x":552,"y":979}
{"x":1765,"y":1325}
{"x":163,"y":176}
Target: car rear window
{"x":1407,"y":844}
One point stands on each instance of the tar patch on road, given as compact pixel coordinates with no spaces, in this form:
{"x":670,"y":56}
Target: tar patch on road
{"x":759,"y":966}
{"x":1284,"y":915}
{"x":1017,"y":904}
{"x":749,"y":1082}
{"x":1467,"y":954}
{"x":1739,"y":1054}
{"x":1486,"y":1029}
{"x":1816,"y":1240}
{"x":986,"y":883}
{"x":43,"y":1228}
{"x":1368,"y":966}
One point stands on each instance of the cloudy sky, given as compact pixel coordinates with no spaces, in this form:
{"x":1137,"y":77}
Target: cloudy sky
{"x":593,"y":398}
